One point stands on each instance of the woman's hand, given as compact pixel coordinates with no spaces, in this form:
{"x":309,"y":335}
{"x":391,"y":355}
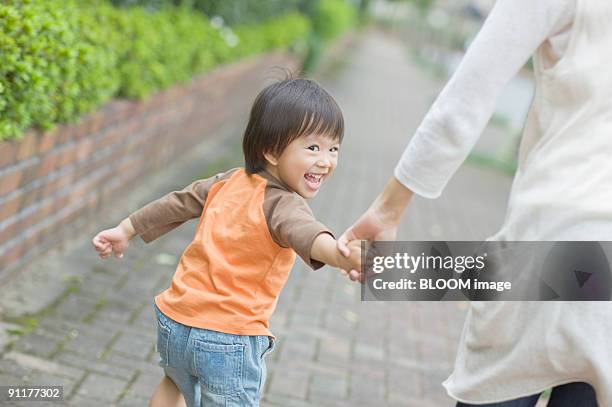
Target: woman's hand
{"x":379,"y":222}
{"x":369,"y":226}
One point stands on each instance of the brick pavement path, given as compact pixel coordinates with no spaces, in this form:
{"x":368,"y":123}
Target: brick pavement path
{"x":97,"y":339}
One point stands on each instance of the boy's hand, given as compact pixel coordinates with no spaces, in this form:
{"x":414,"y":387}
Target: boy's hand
{"x":115,"y":240}
{"x":325,"y":250}
{"x":353,"y":261}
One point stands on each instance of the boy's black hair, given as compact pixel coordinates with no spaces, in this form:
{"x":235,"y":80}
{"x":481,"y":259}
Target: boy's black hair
{"x":284,"y":111}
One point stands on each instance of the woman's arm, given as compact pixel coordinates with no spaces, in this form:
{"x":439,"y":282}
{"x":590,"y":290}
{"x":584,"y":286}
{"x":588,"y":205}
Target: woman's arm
{"x":379,"y":222}
{"x":512,"y":32}
{"x":509,"y":36}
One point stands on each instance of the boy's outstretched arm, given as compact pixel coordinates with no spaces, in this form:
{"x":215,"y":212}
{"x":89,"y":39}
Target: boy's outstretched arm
{"x":158,"y":217}
{"x":325,"y":249}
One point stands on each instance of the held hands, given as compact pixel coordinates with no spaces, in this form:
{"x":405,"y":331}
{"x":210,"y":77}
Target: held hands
{"x":369,"y":227}
{"x":115,"y":240}
{"x":353,"y":260}
{"x":379,"y":222}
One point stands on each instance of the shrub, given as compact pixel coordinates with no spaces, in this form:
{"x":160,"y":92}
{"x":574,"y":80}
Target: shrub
{"x":233,"y":12}
{"x":61,"y":58}
{"x":289,"y":29}
{"x":162,"y":48}
{"x":173,"y":45}
{"x":55,"y":63}
{"x":330,"y":18}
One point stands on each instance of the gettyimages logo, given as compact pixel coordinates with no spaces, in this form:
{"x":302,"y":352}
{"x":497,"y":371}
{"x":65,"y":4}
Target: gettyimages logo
{"x":487,"y":271}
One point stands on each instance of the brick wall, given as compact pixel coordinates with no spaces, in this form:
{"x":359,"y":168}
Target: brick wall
{"x":52,"y":183}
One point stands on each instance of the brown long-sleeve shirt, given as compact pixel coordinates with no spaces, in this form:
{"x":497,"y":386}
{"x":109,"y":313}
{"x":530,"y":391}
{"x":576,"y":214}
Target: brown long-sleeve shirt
{"x":229,"y":277}
{"x":288,"y":216}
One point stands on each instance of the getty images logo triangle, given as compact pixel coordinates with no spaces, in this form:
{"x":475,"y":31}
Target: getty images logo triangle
{"x":582,"y":277}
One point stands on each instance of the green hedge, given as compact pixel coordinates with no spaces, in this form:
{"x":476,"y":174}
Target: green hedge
{"x":236,"y":12}
{"x":293,"y":28}
{"x":61,"y":58}
{"x":158,"y":49}
{"x":54,"y":64}
{"x":233,"y":12}
{"x":330,"y":18}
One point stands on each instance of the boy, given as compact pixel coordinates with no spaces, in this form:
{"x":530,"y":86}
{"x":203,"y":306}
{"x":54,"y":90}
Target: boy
{"x":213,"y":321}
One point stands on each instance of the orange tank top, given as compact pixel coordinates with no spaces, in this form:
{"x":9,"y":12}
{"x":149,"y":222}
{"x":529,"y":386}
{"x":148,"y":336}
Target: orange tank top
{"x":231,"y":274}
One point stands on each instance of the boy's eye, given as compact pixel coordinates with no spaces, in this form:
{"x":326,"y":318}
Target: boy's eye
{"x":334,"y":149}
{"x":313,"y":147}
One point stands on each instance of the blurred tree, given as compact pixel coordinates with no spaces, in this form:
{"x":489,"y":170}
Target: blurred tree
{"x":422,"y":5}
{"x":245,"y":11}
{"x":330,"y":18}
{"x":232,"y":12}
{"x":364,"y":10}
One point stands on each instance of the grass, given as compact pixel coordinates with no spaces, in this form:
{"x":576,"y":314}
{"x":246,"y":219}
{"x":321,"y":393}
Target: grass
{"x":27,"y":324}
{"x":102,"y":301}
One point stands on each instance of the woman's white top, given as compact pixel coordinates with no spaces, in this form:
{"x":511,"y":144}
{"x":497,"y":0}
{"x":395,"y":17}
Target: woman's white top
{"x":562,"y":189}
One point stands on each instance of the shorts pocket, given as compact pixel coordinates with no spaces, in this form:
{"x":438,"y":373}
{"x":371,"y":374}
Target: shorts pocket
{"x":219,"y":366}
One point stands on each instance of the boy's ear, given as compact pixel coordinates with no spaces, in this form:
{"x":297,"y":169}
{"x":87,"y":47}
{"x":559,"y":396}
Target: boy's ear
{"x":271,"y":158}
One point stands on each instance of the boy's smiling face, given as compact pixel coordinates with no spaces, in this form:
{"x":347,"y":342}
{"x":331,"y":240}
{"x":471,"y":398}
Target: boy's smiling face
{"x":305,"y":163}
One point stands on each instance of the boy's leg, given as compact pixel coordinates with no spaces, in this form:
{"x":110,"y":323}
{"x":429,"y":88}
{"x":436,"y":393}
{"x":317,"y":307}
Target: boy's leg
{"x":172,"y":346}
{"x":167,"y":395}
{"x":186,"y":384}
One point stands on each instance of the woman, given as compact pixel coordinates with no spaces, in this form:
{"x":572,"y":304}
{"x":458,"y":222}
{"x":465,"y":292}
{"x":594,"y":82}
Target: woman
{"x":510,"y":352}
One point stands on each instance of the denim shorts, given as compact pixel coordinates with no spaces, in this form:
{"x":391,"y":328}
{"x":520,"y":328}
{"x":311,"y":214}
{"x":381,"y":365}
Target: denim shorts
{"x":212,"y":368}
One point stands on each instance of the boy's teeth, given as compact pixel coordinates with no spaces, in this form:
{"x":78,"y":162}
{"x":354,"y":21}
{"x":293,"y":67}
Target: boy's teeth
{"x":314,"y":176}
